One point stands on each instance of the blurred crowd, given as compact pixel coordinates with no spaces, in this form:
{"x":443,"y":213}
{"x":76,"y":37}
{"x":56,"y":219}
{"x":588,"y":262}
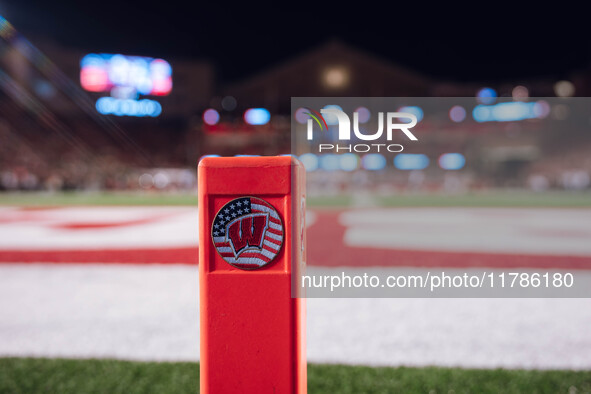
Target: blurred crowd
{"x":31,"y":160}
{"x":35,"y":161}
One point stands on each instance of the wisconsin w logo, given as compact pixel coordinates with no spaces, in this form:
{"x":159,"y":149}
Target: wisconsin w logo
{"x":247,"y":232}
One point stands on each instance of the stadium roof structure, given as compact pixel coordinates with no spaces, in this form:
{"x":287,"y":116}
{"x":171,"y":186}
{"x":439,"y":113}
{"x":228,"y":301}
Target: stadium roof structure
{"x":333,"y":69}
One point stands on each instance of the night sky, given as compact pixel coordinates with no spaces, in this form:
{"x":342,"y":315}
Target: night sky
{"x":496,"y":42}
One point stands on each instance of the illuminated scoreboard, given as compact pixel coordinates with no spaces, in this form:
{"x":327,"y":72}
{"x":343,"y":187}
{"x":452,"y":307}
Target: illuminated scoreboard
{"x":126,"y":78}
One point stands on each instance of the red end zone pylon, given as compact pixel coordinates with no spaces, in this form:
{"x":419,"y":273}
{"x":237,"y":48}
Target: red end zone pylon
{"x":251,"y":239}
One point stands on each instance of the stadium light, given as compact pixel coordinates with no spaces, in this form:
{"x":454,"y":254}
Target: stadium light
{"x":486,"y":96}
{"x":349,"y":161}
{"x":373,"y":162}
{"x":330,"y":162}
{"x":412,"y":109}
{"x":211,"y":117}
{"x":257,"y":116}
{"x":411,"y":161}
{"x":310,"y":161}
{"x":564,"y":89}
{"x":452,"y":161}
{"x":511,"y":111}
{"x":457,"y":113}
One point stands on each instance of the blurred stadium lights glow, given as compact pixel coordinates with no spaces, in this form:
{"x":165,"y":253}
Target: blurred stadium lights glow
{"x":118,"y":107}
{"x":301,"y":116}
{"x":373,"y":162}
{"x":94,"y":79}
{"x":148,"y":76}
{"x":161,"y":180}
{"x":211,"y":117}
{"x":520,"y":92}
{"x":146,"y":180}
{"x":125,"y":77}
{"x":124,"y":93}
{"x":336,"y":77}
{"x":560,"y":112}
{"x":229,"y":103}
{"x":486,"y":96}
{"x":331,"y":120}
{"x":507,"y":112}
{"x":457,"y":113}
{"x":310,"y":161}
{"x":363,"y":114}
{"x":330,"y":162}
{"x":413,"y":109}
{"x":542,"y":109}
{"x":349,"y":162}
{"x":452,"y":161}
{"x":44,"y":89}
{"x":411,"y":161}
{"x":257,"y":116}
{"x":564,"y":89}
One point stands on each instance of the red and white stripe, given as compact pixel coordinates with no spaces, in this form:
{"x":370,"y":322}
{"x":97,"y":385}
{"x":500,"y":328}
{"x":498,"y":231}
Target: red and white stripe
{"x":254,"y":258}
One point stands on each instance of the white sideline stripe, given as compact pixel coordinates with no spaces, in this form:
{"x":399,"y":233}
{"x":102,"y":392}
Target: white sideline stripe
{"x":166,"y":227}
{"x":151,"y":312}
{"x":266,"y":209}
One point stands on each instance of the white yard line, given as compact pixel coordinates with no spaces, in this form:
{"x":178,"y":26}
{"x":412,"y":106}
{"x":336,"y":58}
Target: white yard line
{"x":150,"y":312}
{"x":99,"y":227}
{"x":562,"y":232}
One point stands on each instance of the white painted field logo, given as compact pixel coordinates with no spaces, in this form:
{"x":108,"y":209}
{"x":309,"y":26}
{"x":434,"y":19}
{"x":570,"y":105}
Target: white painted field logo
{"x":247,"y":233}
{"x":392,"y":124}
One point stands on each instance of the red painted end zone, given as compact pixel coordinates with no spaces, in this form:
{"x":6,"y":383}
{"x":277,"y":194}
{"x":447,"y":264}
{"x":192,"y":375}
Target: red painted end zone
{"x":106,"y":256}
{"x":348,"y":257}
{"x":325,"y":248}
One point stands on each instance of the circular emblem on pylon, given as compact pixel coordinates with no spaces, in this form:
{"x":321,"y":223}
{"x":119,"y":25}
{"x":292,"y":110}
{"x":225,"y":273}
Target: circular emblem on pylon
{"x":247,"y":232}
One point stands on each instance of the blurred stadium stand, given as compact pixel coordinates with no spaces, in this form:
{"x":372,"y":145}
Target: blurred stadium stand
{"x":53,"y":138}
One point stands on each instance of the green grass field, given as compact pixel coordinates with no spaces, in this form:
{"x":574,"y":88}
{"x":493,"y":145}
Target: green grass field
{"x":30,"y":375}
{"x":488,"y":199}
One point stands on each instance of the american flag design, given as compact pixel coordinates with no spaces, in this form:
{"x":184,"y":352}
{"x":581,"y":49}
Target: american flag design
{"x":247,"y":232}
